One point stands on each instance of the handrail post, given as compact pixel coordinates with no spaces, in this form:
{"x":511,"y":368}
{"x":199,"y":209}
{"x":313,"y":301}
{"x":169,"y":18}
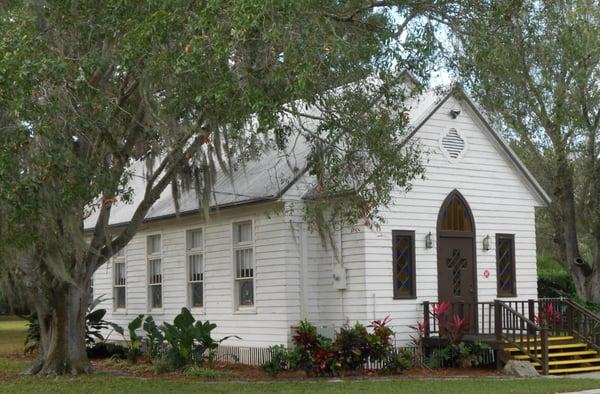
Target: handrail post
{"x":426,"y":328}
{"x":544,"y":344}
{"x":497,"y":321}
{"x":570,"y":317}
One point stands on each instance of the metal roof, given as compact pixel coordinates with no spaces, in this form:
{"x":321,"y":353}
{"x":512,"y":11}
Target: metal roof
{"x":276,"y":170}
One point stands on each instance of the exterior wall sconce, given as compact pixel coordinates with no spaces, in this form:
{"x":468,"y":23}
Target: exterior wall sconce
{"x":486,"y":242}
{"x":429,"y":241}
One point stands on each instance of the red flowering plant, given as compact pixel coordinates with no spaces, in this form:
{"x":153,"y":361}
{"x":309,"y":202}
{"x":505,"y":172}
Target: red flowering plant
{"x":457,"y":327}
{"x":380,"y":342}
{"x":548,"y":316}
{"x":417,"y":341}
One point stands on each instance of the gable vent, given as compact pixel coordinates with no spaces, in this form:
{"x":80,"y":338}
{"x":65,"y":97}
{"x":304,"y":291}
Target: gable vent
{"x":453,"y":144}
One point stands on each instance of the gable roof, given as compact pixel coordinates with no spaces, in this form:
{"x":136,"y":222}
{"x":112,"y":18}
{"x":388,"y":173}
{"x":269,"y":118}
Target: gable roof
{"x":267,"y":178}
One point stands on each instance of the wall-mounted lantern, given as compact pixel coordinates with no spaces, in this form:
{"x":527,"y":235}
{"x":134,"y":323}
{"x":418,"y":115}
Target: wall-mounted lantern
{"x":486,"y":242}
{"x":429,"y":241}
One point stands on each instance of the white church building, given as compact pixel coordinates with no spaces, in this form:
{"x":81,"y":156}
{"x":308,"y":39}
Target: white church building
{"x":463,"y":233}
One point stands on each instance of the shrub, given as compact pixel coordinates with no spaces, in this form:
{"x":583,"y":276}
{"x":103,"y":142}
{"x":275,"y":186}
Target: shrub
{"x":154,"y":339}
{"x":325,"y":360}
{"x":380,"y":342}
{"x":107,"y":350}
{"x":135,"y":340}
{"x":306,"y":342}
{"x":398,"y":361}
{"x":555,"y":283}
{"x":438,"y":358}
{"x":467,"y":355}
{"x":352,"y":345}
{"x":279,"y":361}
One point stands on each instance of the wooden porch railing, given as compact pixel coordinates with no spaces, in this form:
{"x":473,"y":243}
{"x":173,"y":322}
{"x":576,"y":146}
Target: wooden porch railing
{"x":525,"y":324}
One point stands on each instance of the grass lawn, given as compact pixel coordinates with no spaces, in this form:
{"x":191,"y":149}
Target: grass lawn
{"x":12,"y":335}
{"x":12,"y":332}
{"x":106,"y":384}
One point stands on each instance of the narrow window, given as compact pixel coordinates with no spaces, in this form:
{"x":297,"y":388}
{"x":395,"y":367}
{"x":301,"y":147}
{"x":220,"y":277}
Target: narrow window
{"x":154,"y":271}
{"x":243,"y":252}
{"x":195,"y":259}
{"x":403,"y":247}
{"x":505,"y":265}
{"x":119,"y":280}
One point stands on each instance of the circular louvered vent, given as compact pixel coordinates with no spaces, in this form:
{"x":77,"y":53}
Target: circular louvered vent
{"x":453,"y":145}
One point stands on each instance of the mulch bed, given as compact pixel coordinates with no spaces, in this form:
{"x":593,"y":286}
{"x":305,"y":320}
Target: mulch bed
{"x":249,"y":373}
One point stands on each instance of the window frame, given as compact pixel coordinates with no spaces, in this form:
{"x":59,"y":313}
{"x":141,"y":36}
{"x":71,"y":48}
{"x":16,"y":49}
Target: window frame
{"x":511,"y":238}
{"x":413,"y":291}
{"x":191,"y":252}
{"x":237,"y":307}
{"x":119,"y":259}
{"x":149,"y":285}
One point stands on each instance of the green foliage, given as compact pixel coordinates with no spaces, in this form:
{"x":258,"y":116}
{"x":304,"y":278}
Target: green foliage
{"x":135,"y":340}
{"x":33,"y":334}
{"x":438,"y":358}
{"x":208,"y":373}
{"x":352,"y":345}
{"x":466,"y":355}
{"x":279,"y":361}
{"x":154,"y":338}
{"x":523,"y":62}
{"x":352,"y":348}
{"x":398,"y":361}
{"x":95,"y":323}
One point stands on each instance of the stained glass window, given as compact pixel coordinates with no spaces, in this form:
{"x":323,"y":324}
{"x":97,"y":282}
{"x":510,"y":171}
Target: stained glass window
{"x":456,"y":215}
{"x":505,"y":265}
{"x":404,"y":264}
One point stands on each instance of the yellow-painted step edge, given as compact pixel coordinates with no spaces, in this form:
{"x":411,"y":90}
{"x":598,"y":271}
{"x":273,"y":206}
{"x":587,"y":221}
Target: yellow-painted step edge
{"x":572,"y":361}
{"x":571,"y":370}
{"x":551,"y":347}
{"x":538,"y":339}
{"x":563,"y":354}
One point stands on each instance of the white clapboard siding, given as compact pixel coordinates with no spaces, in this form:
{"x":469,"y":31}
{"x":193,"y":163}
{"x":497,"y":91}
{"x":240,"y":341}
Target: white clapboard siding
{"x":276,"y":281}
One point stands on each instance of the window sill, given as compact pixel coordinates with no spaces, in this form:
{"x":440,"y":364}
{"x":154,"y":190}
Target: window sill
{"x":157,"y":311}
{"x":198,"y":310}
{"x":120,"y":311}
{"x":245,"y":310}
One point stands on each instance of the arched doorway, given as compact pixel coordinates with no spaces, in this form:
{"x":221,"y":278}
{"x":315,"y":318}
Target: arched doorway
{"x":456,"y":255}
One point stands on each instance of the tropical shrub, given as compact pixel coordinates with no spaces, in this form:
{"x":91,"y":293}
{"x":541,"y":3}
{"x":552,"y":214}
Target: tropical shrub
{"x":398,"y":361}
{"x":353,"y":346}
{"x":135,"y":340}
{"x":154,"y":339}
{"x":32,"y":336}
{"x":438,"y":358}
{"x":279,"y":361}
{"x":190,"y":339}
{"x":468,"y":355}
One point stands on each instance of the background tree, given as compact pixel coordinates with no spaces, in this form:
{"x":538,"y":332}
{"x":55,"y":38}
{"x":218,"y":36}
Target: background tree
{"x":87,"y":88}
{"x":535,"y":67}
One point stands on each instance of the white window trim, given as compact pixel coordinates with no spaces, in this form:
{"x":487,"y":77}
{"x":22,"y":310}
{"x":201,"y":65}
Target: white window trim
{"x":162,"y":274}
{"x":123,"y":261}
{"x":243,"y":309}
{"x":188,"y":252}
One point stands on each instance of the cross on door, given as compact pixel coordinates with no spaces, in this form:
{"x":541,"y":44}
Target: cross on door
{"x":456,"y":263}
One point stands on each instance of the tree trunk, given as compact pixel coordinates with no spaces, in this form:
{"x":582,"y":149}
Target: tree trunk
{"x":62,"y":347}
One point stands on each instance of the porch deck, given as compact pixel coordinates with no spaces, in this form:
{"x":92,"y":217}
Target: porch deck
{"x":521,"y":330}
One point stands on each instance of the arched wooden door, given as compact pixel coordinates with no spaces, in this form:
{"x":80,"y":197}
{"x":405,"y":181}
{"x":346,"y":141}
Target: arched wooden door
{"x":456,"y":256}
